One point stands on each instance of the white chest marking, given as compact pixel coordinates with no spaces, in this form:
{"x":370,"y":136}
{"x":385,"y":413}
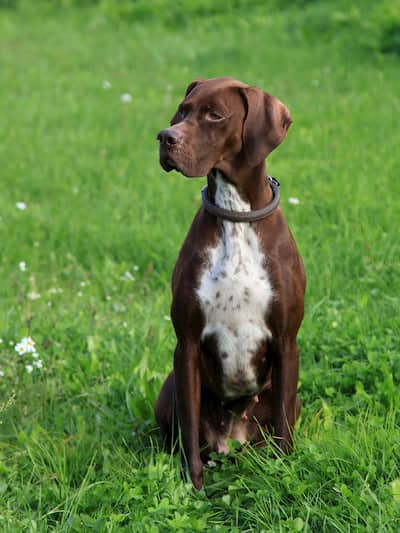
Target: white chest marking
{"x":234,"y":294}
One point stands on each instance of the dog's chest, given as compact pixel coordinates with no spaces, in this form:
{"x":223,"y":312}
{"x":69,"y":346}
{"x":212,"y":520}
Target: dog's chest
{"x":235,"y":293}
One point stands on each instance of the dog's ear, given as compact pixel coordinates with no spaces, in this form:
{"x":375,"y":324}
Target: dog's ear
{"x":265,"y":126}
{"x":192,"y":85}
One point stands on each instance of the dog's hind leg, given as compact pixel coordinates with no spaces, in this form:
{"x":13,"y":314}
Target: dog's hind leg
{"x":165,"y":412}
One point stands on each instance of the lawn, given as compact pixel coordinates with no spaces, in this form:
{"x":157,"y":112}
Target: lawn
{"x":90,"y":227}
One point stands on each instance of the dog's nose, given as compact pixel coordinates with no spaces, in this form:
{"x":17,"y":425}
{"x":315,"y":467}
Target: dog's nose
{"x":168,"y":136}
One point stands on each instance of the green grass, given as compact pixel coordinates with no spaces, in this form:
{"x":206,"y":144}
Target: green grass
{"x":78,"y":443}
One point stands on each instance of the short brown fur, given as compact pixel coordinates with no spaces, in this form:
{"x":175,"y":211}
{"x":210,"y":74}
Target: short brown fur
{"x":223,"y":124}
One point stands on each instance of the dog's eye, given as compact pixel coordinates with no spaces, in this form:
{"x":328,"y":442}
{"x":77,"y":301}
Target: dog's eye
{"x":181,"y":114}
{"x":213,"y":116}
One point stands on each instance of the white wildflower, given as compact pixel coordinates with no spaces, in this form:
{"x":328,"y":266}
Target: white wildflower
{"x":1,"y":340}
{"x":135,"y":268}
{"x":33,"y":295}
{"x":29,"y":344}
{"x":294,"y":201}
{"x":54,"y":290}
{"x":79,"y":293}
{"x":21,"y":348}
{"x":38,"y":363}
{"x":35,"y":355}
{"x":82,"y":283}
{"x":22,"y":266}
{"x":106,"y":85}
{"x":21,"y":205}
{"x":29,"y":368}
{"x":126,"y":98}
{"x":1,"y":374}
{"x":127,"y":277}
{"x":334,"y":324}
{"x":166,"y":317}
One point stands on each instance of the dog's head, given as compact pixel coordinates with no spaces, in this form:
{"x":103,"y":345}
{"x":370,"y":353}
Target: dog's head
{"x":222,"y":124}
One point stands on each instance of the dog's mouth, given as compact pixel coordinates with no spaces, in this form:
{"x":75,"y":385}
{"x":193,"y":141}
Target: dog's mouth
{"x":167,"y":161}
{"x":168,"y":164}
{"x":180,"y":161}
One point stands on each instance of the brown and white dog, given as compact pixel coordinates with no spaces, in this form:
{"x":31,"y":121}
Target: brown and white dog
{"x":238,"y":287}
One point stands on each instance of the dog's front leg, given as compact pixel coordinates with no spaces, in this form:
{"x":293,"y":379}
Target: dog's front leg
{"x":188,"y":392}
{"x":284,"y":392}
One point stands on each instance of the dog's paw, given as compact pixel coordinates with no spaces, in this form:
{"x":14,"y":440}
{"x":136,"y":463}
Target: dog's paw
{"x":196,"y":475}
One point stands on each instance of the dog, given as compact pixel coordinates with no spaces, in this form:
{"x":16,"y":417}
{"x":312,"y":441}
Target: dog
{"x":239,"y":282}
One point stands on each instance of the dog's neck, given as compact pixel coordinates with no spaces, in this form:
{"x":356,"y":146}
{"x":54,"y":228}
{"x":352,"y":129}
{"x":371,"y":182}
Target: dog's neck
{"x":252,"y":187}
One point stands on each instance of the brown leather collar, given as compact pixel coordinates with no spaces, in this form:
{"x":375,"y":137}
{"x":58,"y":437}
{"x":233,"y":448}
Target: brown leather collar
{"x":243,"y":216}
